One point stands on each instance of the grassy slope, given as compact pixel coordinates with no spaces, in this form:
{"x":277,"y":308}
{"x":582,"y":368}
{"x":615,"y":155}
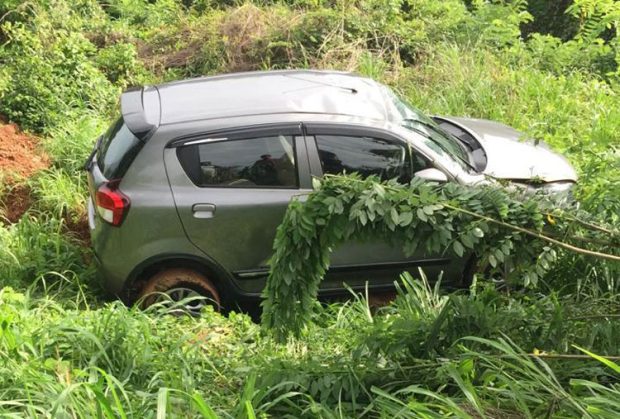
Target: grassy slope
{"x":65,"y":352}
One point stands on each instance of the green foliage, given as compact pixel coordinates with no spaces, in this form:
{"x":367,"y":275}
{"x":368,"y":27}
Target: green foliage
{"x":81,"y":362}
{"x":143,"y":13}
{"x":120,"y":65}
{"x":34,"y":248}
{"x":422,"y":323}
{"x":507,"y":233}
{"x":51,"y":77}
{"x":60,"y":194}
{"x":565,"y":111}
{"x":499,"y":21}
{"x":71,"y":141}
{"x":550,"y":18}
{"x":551,"y":54}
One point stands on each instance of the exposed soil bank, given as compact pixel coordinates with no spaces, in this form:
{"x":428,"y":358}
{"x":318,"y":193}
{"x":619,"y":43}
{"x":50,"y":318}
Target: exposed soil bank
{"x":20,"y":158}
{"x":19,"y":154}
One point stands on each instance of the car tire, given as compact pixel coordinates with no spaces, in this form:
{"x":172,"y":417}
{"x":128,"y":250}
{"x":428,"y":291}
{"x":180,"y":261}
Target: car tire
{"x":471,"y":268}
{"x":180,"y":283}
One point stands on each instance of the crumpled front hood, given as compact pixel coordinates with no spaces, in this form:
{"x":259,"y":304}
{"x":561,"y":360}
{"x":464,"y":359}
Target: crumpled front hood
{"x":509,"y":157}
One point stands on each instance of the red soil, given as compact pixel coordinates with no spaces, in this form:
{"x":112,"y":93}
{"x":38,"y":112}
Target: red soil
{"x":14,"y":203}
{"x":19,"y":159}
{"x":19,"y":156}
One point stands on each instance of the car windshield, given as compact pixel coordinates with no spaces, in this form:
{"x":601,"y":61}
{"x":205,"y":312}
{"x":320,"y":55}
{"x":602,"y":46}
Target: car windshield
{"x":436,"y":138}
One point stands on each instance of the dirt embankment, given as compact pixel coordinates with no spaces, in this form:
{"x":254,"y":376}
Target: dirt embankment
{"x":20,"y":158}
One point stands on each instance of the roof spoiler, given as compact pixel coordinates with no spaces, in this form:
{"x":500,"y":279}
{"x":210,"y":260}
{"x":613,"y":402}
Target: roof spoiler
{"x":140,"y":109}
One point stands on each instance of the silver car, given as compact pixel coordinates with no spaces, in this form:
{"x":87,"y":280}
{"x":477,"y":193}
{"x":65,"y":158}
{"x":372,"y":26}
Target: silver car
{"x":189,"y":184}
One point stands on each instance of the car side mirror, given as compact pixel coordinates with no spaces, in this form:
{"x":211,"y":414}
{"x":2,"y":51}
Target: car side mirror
{"x":432,"y":175}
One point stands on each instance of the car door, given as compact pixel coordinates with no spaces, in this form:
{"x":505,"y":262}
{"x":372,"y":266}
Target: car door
{"x":339,"y":149}
{"x":231,"y":191}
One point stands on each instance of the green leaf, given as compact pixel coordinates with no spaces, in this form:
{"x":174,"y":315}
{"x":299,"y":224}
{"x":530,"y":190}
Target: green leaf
{"x":162,"y":402}
{"x":249,"y":410}
{"x":316,"y":183}
{"x":615,"y":367}
{"x":421,"y":215}
{"x":394,"y":215}
{"x":380,"y":190}
{"x":405,"y":218}
{"x":467,"y":241}
{"x":363,"y":218}
{"x":458,"y":248}
{"x":203,"y":408}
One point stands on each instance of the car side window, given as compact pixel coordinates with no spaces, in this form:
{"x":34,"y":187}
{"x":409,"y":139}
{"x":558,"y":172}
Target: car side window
{"x":368,"y":156}
{"x":267,"y":162}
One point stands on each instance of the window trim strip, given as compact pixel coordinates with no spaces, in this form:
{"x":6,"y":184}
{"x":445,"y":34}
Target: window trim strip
{"x":204,"y":141}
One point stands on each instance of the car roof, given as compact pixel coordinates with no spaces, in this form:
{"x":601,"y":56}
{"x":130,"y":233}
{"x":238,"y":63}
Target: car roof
{"x":254,"y":93}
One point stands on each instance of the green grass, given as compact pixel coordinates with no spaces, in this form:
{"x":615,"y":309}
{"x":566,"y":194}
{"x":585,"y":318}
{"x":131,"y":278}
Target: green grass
{"x":60,"y":193}
{"x":60,"y":359}
{"x":67,"y":351}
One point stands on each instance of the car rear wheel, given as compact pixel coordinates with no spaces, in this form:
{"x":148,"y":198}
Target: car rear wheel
{"x":172,"y":286}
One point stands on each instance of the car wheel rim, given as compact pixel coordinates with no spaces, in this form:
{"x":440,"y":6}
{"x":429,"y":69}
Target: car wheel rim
{"x":195,"y":304}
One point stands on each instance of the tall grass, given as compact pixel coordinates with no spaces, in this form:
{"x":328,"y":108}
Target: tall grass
{"x":116,"y":361}
{"x":35,"y":248}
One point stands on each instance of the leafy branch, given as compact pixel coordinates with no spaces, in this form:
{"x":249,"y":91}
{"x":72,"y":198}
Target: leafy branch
{"x":501,"y":229}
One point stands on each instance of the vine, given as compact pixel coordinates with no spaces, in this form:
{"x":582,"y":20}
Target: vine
{"x":503,"y":230}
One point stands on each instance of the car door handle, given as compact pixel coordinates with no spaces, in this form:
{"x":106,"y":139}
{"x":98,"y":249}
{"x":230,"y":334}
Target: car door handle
{"x":203,"y":210}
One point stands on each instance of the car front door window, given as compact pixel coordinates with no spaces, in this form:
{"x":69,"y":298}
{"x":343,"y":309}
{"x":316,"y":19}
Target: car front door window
{"x":368,"y":156}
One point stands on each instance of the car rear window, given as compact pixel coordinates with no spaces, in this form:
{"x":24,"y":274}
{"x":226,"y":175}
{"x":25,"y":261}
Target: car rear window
{"x":117,"y":150}
{"x":263,"y":162}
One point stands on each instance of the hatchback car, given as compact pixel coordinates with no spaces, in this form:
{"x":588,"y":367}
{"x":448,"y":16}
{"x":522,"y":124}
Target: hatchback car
{"x":189,"y":184}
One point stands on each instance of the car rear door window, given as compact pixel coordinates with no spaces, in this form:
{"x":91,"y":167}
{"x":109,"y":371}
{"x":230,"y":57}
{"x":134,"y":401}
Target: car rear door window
{"x":262,"y":162}
{"x":367,"y":156}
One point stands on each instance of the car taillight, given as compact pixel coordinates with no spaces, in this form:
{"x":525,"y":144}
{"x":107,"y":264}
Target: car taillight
{"x":112,"y":204}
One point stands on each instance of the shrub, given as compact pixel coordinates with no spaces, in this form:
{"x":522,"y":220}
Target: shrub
{"x":52,"y":77}
{"x":120,"y":65}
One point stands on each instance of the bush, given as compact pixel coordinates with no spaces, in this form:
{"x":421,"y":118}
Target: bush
{"x":52,"y":77}
{"x":120,"y":65}
{"x":566,"y":111}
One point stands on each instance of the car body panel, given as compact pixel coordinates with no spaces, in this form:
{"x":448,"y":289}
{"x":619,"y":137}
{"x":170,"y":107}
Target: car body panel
{"x":366,"y":254}
{"x":510,"y":155}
